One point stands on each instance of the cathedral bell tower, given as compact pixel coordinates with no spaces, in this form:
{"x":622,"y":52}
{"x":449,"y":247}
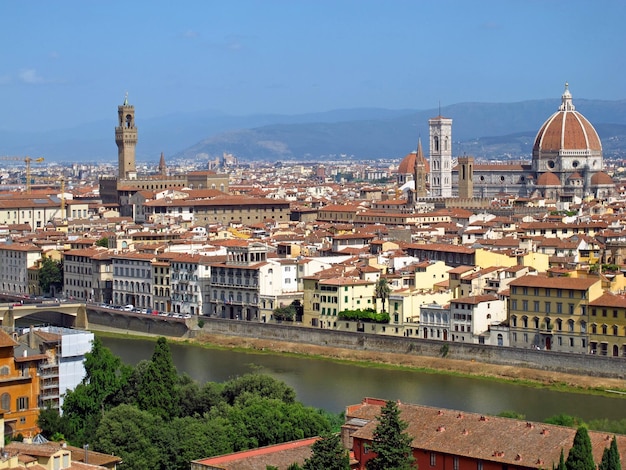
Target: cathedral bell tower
{"x":126,"y":140}
{"x":440,"y":156}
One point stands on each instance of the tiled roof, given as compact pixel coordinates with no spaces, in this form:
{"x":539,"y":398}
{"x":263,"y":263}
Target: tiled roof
{"x":504,"y":441}
{"x":279,"y":455}
{"x":572,"y":283}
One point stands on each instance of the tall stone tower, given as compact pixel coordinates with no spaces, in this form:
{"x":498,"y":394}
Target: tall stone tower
{"x":466,"y":177}
{"x":440,"y":156}
{"x":421,"y":173}
{"x":126,"y":140}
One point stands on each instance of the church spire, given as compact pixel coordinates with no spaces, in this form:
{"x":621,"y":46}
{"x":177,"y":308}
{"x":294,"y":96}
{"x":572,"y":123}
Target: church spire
{"x":162,"y":166}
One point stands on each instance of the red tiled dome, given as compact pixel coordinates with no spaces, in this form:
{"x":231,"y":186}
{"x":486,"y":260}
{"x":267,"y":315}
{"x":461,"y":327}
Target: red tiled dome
{"x":407,"y":165}
{"x":601,"y":178}
{"x":548,"y":179}
{"x":566,"y":129}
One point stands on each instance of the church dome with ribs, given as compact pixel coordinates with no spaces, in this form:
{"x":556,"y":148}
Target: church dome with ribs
{"x":567,"y":130}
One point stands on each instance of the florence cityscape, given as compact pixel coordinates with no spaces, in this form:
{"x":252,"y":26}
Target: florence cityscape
{"x":304,"y":235}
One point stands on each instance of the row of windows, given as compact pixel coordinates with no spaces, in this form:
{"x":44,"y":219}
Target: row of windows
{"x":132,"y":272}
{"x":547,"y":292}
{"x":547,"y":307}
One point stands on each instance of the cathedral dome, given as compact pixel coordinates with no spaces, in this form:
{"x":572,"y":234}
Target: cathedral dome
{"x":407,"y":165}
{"x":567,"y":130}
{"x":548,"y":179}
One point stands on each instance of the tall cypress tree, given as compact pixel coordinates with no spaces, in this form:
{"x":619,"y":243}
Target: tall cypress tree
{"x":328,"y":454}
{"x":561,"y":462}
{"x":580,"y":455}
{"x":610,"y":457}
{"x":391,"y":443}
{"x":158,"y":391}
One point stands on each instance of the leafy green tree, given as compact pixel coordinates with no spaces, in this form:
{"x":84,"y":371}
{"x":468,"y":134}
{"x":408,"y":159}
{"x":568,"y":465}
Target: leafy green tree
{"x":83,"y":406}
{"x":50,"y":275}
{"x":258,"y":385}
{"x":132,"y":434}
{"x":104,"y":242}
{"x":382,"y":290}
{"x":391,"y":443}
{"x":287,"y":313}
{"x":610,"y":457}
{"x":580,"y":456}
{"x":192,"y":438}
{"x":328,"y":454}
{"x":157,"y":388}
{"x":49,"y":421}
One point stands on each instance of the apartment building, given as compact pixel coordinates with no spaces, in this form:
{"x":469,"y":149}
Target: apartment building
{"x":607,"y":325}
{"x":87,"y":274}
{"x":15,"y":259}
{"x":19,"y":388}
{"x":234,"y":284}
{"x":132,"y":279}
{"x":470,"y":317}
{"x":189,"y":281}
{"x":552,"y":312}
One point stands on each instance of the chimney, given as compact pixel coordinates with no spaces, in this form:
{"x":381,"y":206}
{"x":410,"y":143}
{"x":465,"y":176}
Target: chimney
{"x":31,"y":337}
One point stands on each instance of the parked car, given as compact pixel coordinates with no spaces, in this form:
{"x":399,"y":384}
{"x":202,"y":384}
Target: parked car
{"x":128,"y":308}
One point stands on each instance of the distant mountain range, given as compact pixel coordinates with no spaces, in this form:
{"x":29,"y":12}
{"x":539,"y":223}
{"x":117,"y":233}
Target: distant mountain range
{"x":484,"y":130}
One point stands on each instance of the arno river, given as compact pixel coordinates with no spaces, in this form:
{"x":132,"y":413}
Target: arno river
{"x":332,"y":386}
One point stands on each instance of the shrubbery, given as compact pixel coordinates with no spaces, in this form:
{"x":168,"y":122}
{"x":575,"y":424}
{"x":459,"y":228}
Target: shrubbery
{"x":369,"y":316}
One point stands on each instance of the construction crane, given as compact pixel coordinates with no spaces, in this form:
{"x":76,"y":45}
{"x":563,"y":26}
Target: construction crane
{"x":27,"y":161}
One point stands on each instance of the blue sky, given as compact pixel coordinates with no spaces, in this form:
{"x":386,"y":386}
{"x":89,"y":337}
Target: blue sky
{"x":70,"y":62}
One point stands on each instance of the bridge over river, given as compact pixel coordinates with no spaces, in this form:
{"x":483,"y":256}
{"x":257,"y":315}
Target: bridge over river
{"x":71,"y":314}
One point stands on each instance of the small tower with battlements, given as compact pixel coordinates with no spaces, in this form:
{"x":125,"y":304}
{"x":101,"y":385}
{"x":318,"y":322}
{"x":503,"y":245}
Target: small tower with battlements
{"x":466,"y":177}
{"x":126,"y":140}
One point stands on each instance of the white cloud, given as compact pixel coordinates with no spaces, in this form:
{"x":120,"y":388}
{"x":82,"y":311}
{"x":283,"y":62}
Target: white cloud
{"x":190,"y":34}
{"x":30,"y":76}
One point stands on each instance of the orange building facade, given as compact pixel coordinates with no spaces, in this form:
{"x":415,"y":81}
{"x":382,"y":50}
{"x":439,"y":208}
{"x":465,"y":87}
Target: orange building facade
{"x":19,"y":389}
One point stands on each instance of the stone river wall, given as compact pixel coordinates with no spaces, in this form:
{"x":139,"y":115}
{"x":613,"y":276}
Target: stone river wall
{"x":597,"y":366}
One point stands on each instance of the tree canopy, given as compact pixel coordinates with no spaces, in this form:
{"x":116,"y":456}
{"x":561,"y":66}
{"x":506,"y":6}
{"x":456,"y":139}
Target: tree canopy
{"x":136,"y":412}
{"x":50,"y":274}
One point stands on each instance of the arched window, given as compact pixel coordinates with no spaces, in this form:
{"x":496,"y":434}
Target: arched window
{"x":436,"y":143}
{"x":514,"y":321}
{"x":5,"y":402}
{"x":500,"y":339}
{"x":604,"y":329}
{"x":525,"y":322}
{"x":4,"y":370}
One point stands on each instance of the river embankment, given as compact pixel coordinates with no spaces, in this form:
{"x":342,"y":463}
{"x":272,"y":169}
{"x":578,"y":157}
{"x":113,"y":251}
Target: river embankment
{"x":441,"y":365}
